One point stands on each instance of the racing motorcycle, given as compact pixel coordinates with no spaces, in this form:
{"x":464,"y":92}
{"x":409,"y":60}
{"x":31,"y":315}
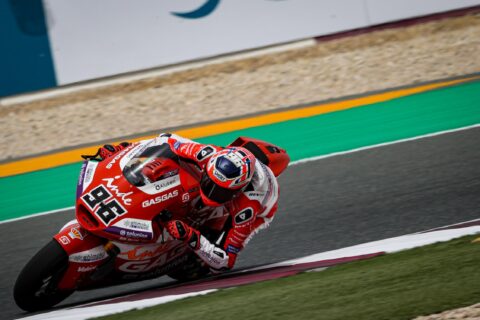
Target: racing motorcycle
{"x":117,"y":236}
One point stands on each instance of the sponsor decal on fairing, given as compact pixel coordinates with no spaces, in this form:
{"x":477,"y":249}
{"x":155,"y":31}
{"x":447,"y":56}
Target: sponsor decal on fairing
{"x":144,"y":252}
{"x":81,"y":177}
{"x":158,"y":270}
{"x":114,"y":188}
{"x":132,"y":228}
{"x":87,"y":256}
{"x":135,"y":224}
{"x":119,"y":155}
{"x":161,"y":185}
{"x":89,"y":174}
{"x":64,"y":240}
{"x":86,"y":269}
{"x":129,"y":234}
{"x":159,"y":258}
{"x":163,"y":197}
{"x":75,"y":234}
{"x":134,"y":234}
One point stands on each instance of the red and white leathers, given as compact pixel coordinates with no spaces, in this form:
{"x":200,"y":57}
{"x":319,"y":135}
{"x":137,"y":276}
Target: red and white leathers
{"x":251,"y":210}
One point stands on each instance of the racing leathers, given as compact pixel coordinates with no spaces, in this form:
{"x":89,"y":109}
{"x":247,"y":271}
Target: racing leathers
{"x":251,"y":210}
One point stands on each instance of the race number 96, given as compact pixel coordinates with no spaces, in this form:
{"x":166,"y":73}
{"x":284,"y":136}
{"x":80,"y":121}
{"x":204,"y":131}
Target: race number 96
{"x":97,"y":199}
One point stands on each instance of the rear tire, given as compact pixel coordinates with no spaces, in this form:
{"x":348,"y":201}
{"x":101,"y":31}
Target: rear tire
{"x":36,"y":285}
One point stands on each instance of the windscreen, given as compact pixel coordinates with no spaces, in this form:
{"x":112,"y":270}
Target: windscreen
{"x":138,"y":158}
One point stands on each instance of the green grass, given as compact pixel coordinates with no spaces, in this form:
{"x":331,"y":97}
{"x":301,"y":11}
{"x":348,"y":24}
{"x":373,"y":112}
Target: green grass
{"x":404,"y":285}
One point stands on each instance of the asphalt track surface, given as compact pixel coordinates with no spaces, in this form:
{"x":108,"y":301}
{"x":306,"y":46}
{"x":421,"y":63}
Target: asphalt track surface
{"x":324,"y":205}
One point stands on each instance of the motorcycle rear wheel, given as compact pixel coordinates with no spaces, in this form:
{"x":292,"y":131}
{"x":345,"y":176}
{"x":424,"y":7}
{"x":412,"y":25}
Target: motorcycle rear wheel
{"x":36,"y":285}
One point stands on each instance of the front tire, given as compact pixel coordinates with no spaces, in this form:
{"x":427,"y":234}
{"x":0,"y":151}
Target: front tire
{"x":36,"y":285}
{"x":192,"y":269}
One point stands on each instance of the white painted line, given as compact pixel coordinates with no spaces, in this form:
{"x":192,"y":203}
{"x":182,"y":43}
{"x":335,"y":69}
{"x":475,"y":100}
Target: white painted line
{"x":451,"y":226}
{"x":162,"y":71}
{"x":382,"y":144}
{"x":304,"y":160}
{"x":81,"y":313}
{"x":37,"y":214}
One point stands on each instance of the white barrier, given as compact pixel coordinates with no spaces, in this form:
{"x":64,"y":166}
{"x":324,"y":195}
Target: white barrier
{"x":382,"y":11}
{"x":92,"y":39}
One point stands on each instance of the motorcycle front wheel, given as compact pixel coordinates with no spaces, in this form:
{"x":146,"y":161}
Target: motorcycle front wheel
{"x":36,"y":285}
{"x":192,"y":269}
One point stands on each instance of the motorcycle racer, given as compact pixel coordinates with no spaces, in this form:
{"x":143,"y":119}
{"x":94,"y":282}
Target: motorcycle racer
{"x":161,"y":206}
{"x":233,"y":179}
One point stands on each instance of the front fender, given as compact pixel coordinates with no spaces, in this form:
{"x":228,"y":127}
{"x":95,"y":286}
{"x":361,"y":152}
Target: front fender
{"x":85,"y":253}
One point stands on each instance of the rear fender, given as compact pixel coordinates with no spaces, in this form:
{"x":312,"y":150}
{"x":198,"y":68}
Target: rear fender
{"x":85,"y":252}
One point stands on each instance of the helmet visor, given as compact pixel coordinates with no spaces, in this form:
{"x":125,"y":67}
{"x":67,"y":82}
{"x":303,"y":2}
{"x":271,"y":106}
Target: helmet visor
{"x":215,"y":192}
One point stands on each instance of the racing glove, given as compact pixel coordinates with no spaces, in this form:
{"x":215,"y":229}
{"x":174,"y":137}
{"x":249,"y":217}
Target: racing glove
{"x":183,"y":232}
{"x":108,"y":150}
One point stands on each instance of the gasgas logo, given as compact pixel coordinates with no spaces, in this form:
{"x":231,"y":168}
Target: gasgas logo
{"x":159,"y":199}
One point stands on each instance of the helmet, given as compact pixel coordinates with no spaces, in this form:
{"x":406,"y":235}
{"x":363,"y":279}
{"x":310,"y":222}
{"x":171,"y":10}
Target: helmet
{"x":226,"y":173}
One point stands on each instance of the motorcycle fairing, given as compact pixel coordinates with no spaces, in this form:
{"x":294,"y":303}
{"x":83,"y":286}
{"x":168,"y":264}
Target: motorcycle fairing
{"x":145,"y":258}
{"x":117,"y":202}
{"x":85,"y":252}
